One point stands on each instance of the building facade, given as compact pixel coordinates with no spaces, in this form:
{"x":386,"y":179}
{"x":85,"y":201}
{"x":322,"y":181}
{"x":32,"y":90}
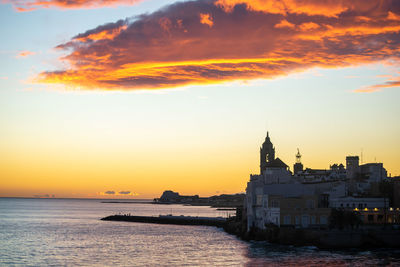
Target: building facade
{"x":304,"y":198}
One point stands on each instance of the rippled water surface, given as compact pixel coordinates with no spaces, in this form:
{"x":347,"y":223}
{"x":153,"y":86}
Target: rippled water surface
{"x":57,"y":232}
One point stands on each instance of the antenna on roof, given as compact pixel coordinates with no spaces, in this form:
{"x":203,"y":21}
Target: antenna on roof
{"x":362,"y":156}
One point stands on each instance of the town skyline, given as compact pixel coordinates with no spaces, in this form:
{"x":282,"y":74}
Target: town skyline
{"x":138,"y":97}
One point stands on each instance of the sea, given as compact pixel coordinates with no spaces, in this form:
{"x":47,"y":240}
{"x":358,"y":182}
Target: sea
{"x":69,"y":232}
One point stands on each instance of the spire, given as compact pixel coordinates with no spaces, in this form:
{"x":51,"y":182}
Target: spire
{"x":298,"y":156}
{"x":267,"y":138}
{"x":298,"y":167}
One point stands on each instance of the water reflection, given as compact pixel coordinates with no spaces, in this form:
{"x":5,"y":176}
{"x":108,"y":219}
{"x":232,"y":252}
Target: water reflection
{"x":266,"y":254}
{"x":69,"y":232}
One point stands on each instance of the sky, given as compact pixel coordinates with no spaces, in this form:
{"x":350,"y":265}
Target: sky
{"x":128,"y":98}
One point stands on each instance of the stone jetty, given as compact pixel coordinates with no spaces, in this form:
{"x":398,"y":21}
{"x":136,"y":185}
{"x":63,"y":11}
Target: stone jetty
{"x":169,"y":219}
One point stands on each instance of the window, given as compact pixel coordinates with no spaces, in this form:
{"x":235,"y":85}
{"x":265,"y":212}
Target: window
{"x":305,"y":220}
{"x":313,"y":220}
{"x":297,"y":220}
{"x":259,"y":200}
{"x":275,"y":203}
{"x":259,"y":213}
{"x":310,"y":204}
{"x":323,"y":219}
{"x":287,"y":219}
{"x":370,"y":218}
{"x":380,"y":218}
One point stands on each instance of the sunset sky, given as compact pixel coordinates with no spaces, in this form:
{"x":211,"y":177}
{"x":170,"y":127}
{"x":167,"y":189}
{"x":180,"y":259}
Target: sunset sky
{"x":128,"y":98}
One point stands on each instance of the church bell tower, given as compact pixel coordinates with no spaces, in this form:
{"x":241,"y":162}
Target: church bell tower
{"x":267,"y":154}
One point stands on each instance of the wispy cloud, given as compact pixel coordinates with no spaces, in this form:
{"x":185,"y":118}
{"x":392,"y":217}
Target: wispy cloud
{"x":118,"y":193}
{"x":203,"y":42}
{"x":44,"y":196}
{"x":30,"y":5}
{"x":392,"y":82}
{"x":368,"y":89}
{"x":128,"y":193}
{"x":25,"y":53}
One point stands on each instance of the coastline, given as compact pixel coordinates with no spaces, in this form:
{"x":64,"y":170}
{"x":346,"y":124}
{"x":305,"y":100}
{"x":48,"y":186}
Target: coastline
{"x":375,"y":237}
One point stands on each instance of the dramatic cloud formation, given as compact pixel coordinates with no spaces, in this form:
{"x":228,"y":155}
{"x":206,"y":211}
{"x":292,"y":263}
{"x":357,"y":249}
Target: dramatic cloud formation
{"x":25,"y":54}
{"x":214,"y":41}
{"x":29,"y":5}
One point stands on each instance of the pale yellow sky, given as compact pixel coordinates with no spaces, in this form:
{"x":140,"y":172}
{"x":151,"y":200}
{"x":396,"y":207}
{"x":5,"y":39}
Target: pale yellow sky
{"x":328,"y":99}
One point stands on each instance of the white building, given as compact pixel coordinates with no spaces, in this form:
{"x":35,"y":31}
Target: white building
{"x":359,"y":203}
{"x":335,"y":184}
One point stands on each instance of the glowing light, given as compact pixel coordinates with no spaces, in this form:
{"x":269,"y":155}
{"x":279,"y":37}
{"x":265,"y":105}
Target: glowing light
{"x":206,"y":19}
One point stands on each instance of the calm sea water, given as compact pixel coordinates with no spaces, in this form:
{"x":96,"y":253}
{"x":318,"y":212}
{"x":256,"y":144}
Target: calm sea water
{"x":59,"y":232}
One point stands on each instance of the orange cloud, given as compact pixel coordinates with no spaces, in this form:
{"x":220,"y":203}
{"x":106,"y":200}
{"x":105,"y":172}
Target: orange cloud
{"x":102,"y":35}
{"x":328,"y":8}
{"x":25,"y":54}
{"x":368,"y":89}
{"x":285,"y":24}
{"x":206,"y":19}
{"x":308,"y":26}
{"x":392,"y":82}
{"x":29,"y":5}
{"x":171,"y":47}
{"x":393,"y":16}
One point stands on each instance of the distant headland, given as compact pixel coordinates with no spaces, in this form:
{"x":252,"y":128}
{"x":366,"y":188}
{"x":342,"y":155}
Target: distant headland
{"x":220,"y":201}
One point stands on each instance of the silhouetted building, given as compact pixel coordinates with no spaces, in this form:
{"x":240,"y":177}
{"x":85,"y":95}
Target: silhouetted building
{"x":267,"y":154}
{"x":298,"y":166}
{"x":336,"y":187}
{"x":267,"y":157}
